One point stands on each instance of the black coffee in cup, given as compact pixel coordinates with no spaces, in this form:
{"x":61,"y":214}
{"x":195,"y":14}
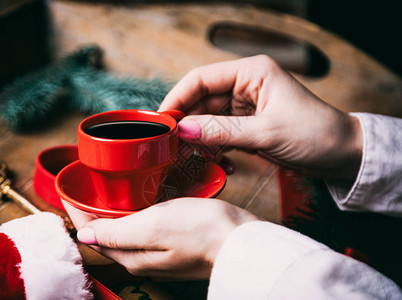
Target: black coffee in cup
{"x":121,"y":130}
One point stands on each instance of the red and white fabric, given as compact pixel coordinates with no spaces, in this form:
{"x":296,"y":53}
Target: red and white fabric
{"x":39,"y":260}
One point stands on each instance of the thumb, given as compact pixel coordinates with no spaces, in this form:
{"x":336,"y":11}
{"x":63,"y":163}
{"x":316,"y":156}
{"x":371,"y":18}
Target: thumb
{"x":99,"y":232}
{"x":121,"y":233}
{"x":238,"y":131}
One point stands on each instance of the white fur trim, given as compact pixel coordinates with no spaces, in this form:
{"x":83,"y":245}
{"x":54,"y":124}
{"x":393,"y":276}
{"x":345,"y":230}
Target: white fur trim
{"x":51,"y":264}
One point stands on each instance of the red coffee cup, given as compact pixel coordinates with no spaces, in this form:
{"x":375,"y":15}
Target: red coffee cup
{"x":128,"y":171}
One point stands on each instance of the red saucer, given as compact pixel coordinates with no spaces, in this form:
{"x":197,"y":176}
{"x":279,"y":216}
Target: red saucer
{"x":203,"y":179}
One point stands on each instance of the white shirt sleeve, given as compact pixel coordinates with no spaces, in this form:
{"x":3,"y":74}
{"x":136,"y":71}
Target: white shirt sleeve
{"x":260,"y":260}
{"x":378,"y":186}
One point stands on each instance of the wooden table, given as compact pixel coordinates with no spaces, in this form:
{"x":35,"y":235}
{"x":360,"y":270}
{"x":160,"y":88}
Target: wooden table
{"x":167,"y":41}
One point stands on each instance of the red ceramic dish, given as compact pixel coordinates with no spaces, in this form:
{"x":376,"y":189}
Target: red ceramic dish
{"x":75,"y":187}
{"x":48,"y":163}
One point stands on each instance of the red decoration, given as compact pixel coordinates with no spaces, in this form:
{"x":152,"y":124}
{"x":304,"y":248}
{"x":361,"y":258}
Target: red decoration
{"x":11,"y":283}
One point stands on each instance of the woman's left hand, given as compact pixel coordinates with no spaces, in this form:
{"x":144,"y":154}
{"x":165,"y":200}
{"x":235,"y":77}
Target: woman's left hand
{"x":178,"y":239}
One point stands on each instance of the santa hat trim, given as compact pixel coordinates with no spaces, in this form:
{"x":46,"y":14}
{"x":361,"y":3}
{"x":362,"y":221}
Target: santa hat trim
{"x":50,"y":264}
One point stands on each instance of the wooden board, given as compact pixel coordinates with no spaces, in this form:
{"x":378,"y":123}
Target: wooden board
{"x":170,"y":40}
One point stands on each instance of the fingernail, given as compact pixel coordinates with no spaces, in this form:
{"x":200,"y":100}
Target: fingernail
{"x":228,"y":169}
{"x":227,"y":165}
{"x":87,"y":236}
{"x":189,"y":130}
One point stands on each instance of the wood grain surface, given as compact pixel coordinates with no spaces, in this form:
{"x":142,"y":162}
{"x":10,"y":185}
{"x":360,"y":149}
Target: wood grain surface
{"x":170,"y":40}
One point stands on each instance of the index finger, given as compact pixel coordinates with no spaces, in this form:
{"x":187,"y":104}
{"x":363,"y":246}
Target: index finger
{"x":217,"y":78}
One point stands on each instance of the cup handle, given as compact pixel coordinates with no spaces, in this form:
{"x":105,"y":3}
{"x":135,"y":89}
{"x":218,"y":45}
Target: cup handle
{"x":175,"y":114}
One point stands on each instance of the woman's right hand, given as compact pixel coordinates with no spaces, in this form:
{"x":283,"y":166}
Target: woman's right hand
{"x":252,"y":103}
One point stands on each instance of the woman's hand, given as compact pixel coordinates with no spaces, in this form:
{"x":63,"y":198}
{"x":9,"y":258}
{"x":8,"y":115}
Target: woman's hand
{"x":267,"y":111}
{"x":178,"y":239}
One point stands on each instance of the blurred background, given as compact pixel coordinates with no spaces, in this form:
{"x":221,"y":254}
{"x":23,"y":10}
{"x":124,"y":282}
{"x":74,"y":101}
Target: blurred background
{"x":372,"y":26}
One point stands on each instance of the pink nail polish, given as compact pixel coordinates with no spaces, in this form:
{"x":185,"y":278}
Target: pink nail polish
{"x":229,"y":170}
{"x":189,"y":130}
{"x":228,"y":165}
{"x":87,"y":236}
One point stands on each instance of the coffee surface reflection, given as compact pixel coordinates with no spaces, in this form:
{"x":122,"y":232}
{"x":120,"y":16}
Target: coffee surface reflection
{"x":121,"y":130}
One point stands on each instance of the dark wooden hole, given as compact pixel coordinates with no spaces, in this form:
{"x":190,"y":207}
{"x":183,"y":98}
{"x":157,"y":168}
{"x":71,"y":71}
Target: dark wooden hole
{"x":292,"y":54}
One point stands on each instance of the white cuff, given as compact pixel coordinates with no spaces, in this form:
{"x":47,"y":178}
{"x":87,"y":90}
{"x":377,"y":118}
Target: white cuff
{"x":261,"y":260}
{"x":248,"y":267}
{"x":377,"y":187}
{"x":50,"y":262}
